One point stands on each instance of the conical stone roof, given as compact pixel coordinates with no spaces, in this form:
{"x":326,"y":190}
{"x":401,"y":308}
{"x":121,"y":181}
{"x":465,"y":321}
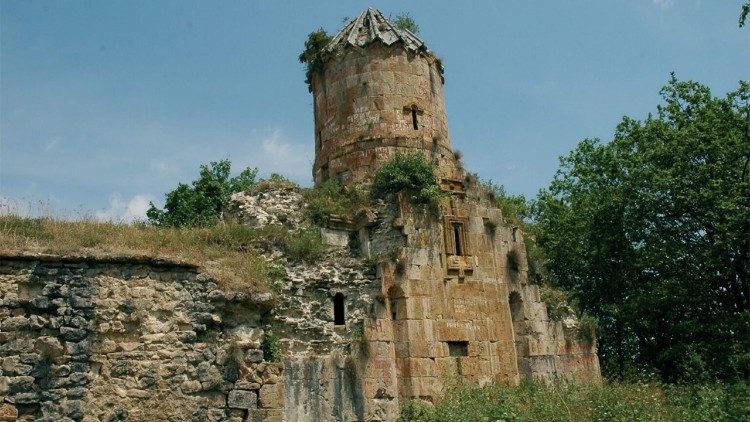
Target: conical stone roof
{"x":370,"y":26}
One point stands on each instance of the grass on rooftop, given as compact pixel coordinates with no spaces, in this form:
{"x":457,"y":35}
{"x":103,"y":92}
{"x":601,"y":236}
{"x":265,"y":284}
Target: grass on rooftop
{"x":225,"y":252}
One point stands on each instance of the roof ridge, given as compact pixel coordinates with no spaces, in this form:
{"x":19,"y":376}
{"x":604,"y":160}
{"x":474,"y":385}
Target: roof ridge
{"x":372,"y":26}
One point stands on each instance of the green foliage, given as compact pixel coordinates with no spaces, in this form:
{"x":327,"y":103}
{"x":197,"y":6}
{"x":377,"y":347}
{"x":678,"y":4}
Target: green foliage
{"x":515,"y":208}
{"x":535,"y":258}
{"x":588,"y":326}
{"x":271,"y":346}
{"x":404,"y":21}
{"x":333,"y":199}
{"x":743,"y":13}
{"x":201,"y":204}
{"x":306,"y":245}
{"x":651,"y":234}
{"x":313,"y":56}
{"x":410,"y":173}
{"x":607,"y":402}
{"x":274,"y":181}
{"x":558,"y":301}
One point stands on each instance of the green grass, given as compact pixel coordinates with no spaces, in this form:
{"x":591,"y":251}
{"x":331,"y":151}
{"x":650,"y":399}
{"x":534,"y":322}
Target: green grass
{"x":606,"y":402}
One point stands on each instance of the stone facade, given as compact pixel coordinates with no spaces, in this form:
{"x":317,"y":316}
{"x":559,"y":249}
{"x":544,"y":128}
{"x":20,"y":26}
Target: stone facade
{"x":374,"y":99}
{"x":451,"y":297}
{"x":129,"y":339}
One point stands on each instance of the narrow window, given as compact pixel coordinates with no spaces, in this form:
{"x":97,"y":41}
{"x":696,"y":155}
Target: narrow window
{"x":516,"y":307}
{"x":317,"y":142}
{"x":324,"y":172}
{"x":338,"y":309}
{"x":393,"y":309}
{"x":414,"y":121}
{"x":458,"y":348}
{"x":515,"y":234}
{"x":457,"y":235}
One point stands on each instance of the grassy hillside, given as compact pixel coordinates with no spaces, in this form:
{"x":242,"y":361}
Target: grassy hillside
{"x":607,"y":402}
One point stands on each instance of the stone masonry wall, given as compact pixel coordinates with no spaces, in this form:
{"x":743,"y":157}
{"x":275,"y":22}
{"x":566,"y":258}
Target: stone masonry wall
{"x":129,"y":339}
{"x":363,"y":104}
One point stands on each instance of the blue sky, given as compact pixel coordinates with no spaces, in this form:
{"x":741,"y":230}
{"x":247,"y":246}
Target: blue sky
{"x":107,"y":105}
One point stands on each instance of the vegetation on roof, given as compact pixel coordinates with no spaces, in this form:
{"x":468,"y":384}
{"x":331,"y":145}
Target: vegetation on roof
{"x":313,"y":56}
{"x":404,"y":21}
{"x":225,"y":251}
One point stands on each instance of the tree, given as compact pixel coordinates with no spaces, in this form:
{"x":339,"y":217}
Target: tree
{"x":744,"y":12}
{"x":202,"y":203}
{"x":651,"y":233}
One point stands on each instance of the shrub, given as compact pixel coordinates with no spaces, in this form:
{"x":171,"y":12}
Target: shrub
{"x":408,"y":172}
{"x":271,"y":346}
{"x":535,"y":259}
{"x":306,"y":245}
{"x":332,"y":198}
{"x":558,"y":301}
{"x":313,"y":56}
{"x":587,"y":327}
{"x":515,"y":208}
{"x":274,"y":181}
{"x":404,"y":21}
{"x":201,"y":204}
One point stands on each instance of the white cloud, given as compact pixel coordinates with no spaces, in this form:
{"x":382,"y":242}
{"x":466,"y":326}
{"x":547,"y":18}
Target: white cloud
{"x":126,"y":212}
{"x":274,"y":147}
{"x":664,"y":4}
{"x":280,"y":155}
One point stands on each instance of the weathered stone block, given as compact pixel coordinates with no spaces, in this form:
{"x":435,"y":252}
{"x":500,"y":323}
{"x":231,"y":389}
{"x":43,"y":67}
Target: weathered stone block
{"x":271,"y":396}
{"x":265,"y":415}
{"x":242,"y":399}
{"x":8,"y":412}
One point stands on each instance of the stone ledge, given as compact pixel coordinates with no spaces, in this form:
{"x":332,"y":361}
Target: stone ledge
{"x":98,"y":259}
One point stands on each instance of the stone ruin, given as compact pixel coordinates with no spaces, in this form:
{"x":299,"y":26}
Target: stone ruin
{"x":405,"y":300}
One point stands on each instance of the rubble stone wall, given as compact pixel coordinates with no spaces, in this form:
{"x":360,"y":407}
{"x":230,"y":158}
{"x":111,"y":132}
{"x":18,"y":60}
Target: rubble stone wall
{"x":86,"y":339}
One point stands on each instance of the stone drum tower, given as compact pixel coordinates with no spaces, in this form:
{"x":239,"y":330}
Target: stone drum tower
{"x":380,"y":91}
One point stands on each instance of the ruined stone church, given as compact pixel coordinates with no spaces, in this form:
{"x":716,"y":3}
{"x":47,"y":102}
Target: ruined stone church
{"x":406,"y":299}
{"x":455,"y":301}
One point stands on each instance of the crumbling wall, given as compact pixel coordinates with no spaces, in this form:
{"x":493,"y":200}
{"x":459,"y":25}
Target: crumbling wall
{"x":325,"y":364}
{"x":129,"y":339}
{"x":550,"y":349}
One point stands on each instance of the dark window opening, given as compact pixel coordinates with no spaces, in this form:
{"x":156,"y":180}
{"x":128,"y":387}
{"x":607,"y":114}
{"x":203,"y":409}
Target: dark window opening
{"x":458,"y":348}
{"x":395,"y":294}
{"x":338,"y":309}
{"x":516,"y":307}
{"x":324,"y":172}
{"x":515,"y":234}
{"x":414,"y":121}
{"x":457,"y":233}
